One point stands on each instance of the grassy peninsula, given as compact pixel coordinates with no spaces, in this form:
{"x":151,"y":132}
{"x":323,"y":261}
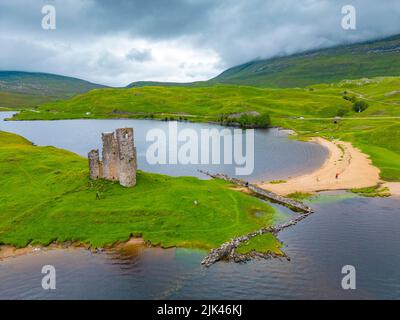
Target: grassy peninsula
{"x":46,"y":196}
{"x":261,"y":244}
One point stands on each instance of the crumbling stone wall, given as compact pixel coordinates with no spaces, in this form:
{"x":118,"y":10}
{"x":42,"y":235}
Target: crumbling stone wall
{"x":127,"y":157}
{"x":110,"y":156}
{"x":119,"y":159}
{"x":95,"y":171}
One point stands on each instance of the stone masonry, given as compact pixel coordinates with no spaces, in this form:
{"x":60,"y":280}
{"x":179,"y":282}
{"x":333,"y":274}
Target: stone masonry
{"x":119,"y":161}
{"x":95,"y":166}
{"x":127,"y":165}
{"x":110,"y":156}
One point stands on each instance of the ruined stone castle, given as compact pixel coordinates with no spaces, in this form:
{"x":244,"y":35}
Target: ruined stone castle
{"x":119,"y":162}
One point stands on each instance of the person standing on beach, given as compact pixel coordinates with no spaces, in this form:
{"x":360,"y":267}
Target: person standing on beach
{"x":337,"y":175}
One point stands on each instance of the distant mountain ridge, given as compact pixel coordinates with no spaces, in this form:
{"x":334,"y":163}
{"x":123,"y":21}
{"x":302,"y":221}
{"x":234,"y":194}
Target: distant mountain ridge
{"x":25,"y":89}
{"x":366,"y":59}
{"x":158,"y":84}
{"x":43,"y":83}
{"x":354,"y":61}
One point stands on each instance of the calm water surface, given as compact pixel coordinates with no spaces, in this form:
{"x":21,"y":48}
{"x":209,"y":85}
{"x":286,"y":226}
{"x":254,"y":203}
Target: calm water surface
{"x":345,"y":229}
{"x":275,"y":155}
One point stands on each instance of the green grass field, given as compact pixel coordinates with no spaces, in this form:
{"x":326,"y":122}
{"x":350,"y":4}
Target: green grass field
{"x":196,"y":104}
{"x":46,"y":196}
{"x":310,"y":111}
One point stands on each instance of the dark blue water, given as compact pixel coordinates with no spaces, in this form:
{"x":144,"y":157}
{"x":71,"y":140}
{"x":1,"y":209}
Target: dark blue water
{"x":344,"y":230}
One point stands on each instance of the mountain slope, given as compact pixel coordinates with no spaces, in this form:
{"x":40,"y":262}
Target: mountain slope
{"x":26,"y":89}
{"x":139,"y":84}
{"x":369,"y":59}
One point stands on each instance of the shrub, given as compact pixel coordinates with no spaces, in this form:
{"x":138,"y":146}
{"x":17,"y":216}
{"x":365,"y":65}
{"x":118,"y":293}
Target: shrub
{"x":250,"y":121}
{"x":360,"y":106}
{"x":247,"y":120}
{"x":350,"y":98}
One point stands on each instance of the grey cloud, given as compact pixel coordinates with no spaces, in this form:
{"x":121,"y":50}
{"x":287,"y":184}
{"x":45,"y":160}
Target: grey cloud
{"x":158,"y":19}
{"x":262,"y":29}
{"x":155,"y":19}
{"x":235,"y":30}
{"x":21,"y":54}
{"x":139,"y":55}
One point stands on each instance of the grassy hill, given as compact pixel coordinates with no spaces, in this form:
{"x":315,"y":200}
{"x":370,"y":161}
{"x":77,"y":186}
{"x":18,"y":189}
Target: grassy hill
{"x":311,"y":110}
{"x":370,"y":59}
{"x":46,"y":196}
{"x":26,"y":89}
{"x":192,"y":103}
{"x":161,"y":84}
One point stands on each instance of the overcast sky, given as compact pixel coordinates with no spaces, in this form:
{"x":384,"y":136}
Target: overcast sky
{"x":120,"y":41}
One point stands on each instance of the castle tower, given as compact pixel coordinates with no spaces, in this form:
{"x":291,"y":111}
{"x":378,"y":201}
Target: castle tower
{"x":94,"y":165}
{"x":119,"y":158}
{"x":127,"y":157}
{"x":110,"y":156}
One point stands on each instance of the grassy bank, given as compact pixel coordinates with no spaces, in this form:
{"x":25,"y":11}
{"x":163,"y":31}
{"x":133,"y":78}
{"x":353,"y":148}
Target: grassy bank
{"x":45,"y":196}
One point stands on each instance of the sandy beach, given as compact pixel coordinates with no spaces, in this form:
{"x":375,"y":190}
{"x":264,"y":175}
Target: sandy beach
{"x":132,"y":245}
{"x":352,"y":168}
{"x":11,"y":252}
{"x":7,"y":251}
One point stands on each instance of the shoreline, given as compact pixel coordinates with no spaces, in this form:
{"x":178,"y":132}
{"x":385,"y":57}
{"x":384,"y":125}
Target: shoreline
{"x":354,"y":168}
{"x":358,"y":172}
{"x":9,"y":251}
